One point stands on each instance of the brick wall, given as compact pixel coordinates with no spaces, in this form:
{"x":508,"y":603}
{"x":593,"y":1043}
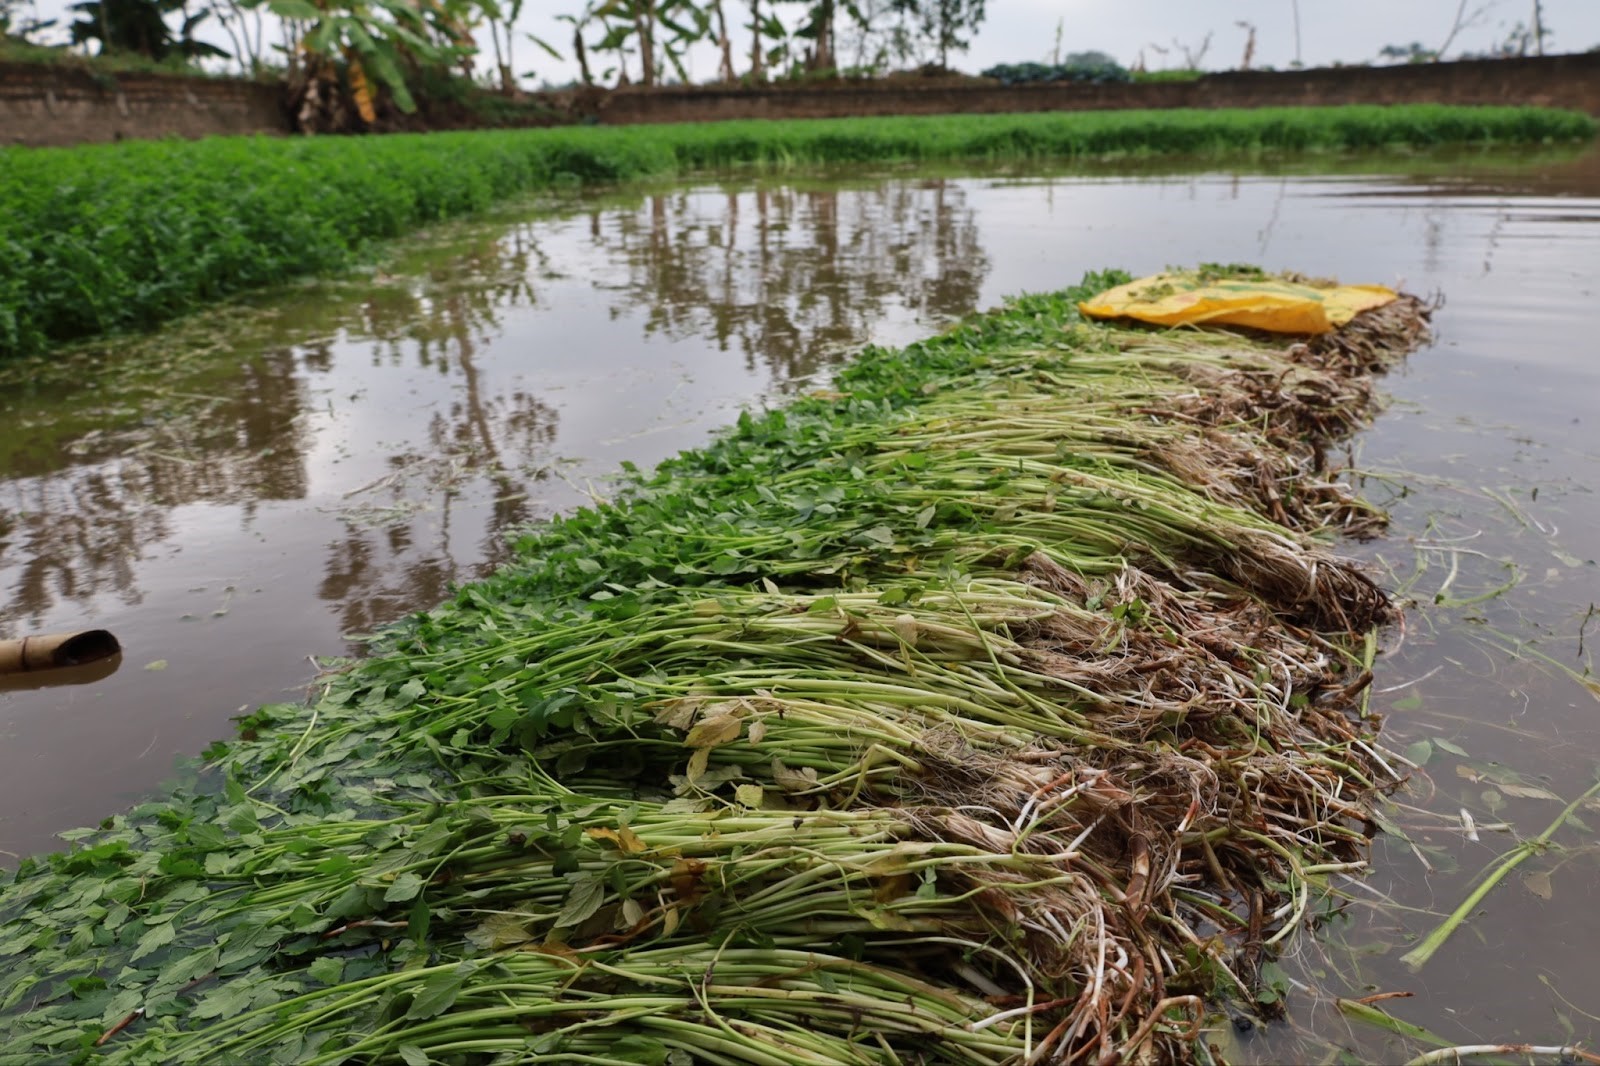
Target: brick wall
{"x":57,"y":105}
{"x":1555,"y":81}
{"x":44,"y":105}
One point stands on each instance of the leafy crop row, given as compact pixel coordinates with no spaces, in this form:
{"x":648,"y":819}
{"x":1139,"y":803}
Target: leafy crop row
{"x":114,"y":237}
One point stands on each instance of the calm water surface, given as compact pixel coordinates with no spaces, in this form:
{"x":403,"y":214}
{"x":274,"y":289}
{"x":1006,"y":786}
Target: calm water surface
{"x":245,"y":491}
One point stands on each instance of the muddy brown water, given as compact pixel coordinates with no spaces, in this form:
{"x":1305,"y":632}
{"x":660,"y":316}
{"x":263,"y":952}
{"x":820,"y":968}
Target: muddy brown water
{"x":256,"y":486}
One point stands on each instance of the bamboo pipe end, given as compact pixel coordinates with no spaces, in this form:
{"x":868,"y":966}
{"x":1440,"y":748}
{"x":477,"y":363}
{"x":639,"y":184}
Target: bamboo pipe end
{"x":54,"y":651}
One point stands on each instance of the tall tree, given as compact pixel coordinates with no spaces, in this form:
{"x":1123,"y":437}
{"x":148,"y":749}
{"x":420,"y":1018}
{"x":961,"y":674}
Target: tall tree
{"x":1539,"y":30}
{"x":496,"y":17}
{"x":580,"y":48}
{"x":616,"y":20}
{"x":769,"y":40}
{"x":944,"y":26}
{"x":140,"y":26}
{"x":757,"y":73}
{"x":680,"y":25}
{"x":816,"y":26}
{"x":644,"y":21}
{"x":878,"y":35}
{"x":247,"y":31}
{"x":724,"y":44}
{"x":1462,"y":20}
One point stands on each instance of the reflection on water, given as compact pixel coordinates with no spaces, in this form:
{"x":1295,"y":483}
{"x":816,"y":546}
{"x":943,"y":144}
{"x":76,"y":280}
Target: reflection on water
{"x":785,"y":279}
{"x":243,"y":491}
{"x":79,"y":511}
{"x":793,"y":277}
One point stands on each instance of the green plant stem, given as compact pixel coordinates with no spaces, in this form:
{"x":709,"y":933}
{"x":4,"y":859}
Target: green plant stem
{"x":1418,"y":956}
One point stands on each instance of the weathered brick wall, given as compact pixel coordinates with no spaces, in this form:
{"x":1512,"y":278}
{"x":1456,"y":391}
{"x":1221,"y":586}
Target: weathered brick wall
{"x":1555,"y":81}
{"x":48,"y":105}
{"x":41,"y":105}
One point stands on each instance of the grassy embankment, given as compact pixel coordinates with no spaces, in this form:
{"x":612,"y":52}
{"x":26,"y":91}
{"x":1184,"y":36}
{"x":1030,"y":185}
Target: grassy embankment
{"x":997,"y":704}
{"x":105,"y":238}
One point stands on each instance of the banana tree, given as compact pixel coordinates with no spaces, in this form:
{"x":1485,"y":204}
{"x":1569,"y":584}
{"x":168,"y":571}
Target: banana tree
{"x":502,"y":18}
{"x":661,"y":31}
{"x":724,"y":43}
{"x":376,"y":40}
{"x":452,"y":23}
{"x":644,"y":23}
{"x":498,"y":17}
{"x":580,"y":50}
{"x":769,"y":41}
{"x":816,"y":26}
{"x":689,"y":24}
{"x":615,"y":18}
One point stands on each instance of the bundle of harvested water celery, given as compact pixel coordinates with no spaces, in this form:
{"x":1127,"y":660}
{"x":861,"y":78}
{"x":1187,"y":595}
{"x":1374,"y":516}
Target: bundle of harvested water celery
{"x":1002,"y":703}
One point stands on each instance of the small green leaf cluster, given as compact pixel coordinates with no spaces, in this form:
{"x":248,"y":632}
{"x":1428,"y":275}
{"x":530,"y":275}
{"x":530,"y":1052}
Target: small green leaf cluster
{"x":1092,"y":67}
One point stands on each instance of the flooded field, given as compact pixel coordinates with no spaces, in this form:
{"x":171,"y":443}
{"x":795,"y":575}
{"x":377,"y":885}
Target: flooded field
{"x":259,"y":486}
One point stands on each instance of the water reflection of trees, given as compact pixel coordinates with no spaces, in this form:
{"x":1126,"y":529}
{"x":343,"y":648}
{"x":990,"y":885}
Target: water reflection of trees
{"x":496,"y":440}
{"x":794,"y":277}
{"x":95,"y":504}
{"x":788,"y":278}
{"x":79,"y":511}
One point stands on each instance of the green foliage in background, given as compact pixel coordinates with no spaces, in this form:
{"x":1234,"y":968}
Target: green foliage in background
{"x":104,"y":238}
{"x":1092,"y":67}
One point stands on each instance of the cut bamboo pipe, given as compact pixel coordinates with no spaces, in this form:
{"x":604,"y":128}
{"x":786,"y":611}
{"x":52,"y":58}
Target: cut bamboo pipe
{"x":54,"y":651}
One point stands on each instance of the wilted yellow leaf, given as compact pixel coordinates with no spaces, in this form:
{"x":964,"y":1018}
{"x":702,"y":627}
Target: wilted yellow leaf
{"x":625,"y":839}
{"x":892,"y":888}
{"x":793,"y":780}
{"x":1538,"y":883}
{"x":750,"y":795}
{"x":711,"y":732}
{"x":678,"y":714}
{"x":697,"y":764}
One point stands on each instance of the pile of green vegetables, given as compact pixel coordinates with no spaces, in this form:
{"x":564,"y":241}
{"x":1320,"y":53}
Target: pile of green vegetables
{"x":998,"y":704}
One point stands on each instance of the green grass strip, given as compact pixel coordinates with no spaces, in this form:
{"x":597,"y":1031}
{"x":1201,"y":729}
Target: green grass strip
{"x":106,"y":238}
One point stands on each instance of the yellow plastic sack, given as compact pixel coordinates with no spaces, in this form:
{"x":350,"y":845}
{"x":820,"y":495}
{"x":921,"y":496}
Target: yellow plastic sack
{"x":1261,"y":303}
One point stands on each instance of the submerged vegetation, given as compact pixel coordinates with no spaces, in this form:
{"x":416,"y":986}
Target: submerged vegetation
{"x":1000,"y":703}
{"x":104,"y":238}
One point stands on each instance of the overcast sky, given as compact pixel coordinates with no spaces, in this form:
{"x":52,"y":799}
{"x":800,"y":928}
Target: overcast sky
{"x":1350,"y":31}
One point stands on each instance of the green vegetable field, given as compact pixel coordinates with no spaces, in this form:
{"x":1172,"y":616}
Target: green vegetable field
{"x":104,"y":238}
